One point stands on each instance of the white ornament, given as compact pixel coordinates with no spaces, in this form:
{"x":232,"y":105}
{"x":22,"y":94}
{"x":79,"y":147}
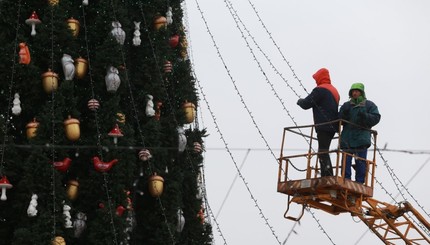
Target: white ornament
{"x":199,"y":194}
{"x":182,"y":139}
{"x":136,"y":33}
{"x":67,"y":217}
{"x":150,"y":112}
{"x":145,"y":155}
{"x":31,"y":210}
{"x":181,"y":221}
{"x":80,"y":224}
{"x":16,"y":108}
{"x":112,"y":79}
{"x":85,"y":2}
{"x":130,"y":223}
{"x":68,"y":67}
{"x":169,"y":16}
{"x":118,"y":32}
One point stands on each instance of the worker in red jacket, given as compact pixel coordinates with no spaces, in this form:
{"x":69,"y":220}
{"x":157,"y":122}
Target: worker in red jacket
{"x":324,"y":101}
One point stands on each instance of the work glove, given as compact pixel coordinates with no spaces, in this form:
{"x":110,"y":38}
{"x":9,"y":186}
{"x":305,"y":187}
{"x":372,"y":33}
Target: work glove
{"x":345,"y":113}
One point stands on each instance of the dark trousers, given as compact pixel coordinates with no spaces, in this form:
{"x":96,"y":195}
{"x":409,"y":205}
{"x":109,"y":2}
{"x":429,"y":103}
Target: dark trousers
{"x":360,"y":165}
{"x":324,"y":141}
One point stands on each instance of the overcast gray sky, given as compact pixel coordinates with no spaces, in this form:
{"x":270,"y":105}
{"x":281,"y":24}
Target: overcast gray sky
{"x":383,"y":44}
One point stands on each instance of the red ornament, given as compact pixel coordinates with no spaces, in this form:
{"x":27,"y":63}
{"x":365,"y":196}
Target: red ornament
{"x":115,"y":133}
{"x":33,"y":21}
{"x":158,"y":110}
{"x":62,"y":166}
{"x":174,"y":41}
{"x":101,"y":205}
{"x":24,"y":54}
{"x":4,"y":184}
{"x":101,"y":166}
{"x":201,"y":215}
{"x":120,"y":210}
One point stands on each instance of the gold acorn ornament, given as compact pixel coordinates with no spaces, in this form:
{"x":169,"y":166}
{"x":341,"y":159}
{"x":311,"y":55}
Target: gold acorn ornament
{"x":74,"y":26}
{"x":50,"y":81}
{"x":71,"y":127}
{"x":160,"y":22}
{"x":155,"y":185}
{"x":81,"y":67}
{"x":72,"y":189}
{"x":120,"y":117}
{"x":32,"y":128}
{"x":53,"y":2}
{"x":190,"y":111}
{"x":58,"y":240}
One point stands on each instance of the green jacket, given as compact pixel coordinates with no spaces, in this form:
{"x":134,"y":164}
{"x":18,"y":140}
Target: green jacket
{"x":364,"y":114}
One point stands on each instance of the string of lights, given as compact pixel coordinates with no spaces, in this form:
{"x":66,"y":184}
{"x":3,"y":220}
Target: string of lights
{"x":277,"y":46}
{"x":160,"y":76}
{"x":236,"y":19}
{"x":53,"y":154}
{"x":97,"y":123}
{"x":398,"y":183}
{"x":9,"y":96}
{"x":218,"y":128}
{"x":394,"y":198}
{"x":319,"y":224}
{"x":211,"y":216}
{"x":394,"y":176}
{"x":210,"y":213}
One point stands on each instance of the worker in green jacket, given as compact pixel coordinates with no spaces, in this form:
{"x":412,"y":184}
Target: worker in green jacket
{"x":355,"y":137}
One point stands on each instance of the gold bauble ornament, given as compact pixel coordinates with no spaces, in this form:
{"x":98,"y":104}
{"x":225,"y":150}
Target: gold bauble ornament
{"x":72,"y":189}
{"x":74,"y":26}
{"x":160,"y":22}
{"x":155,"y":185}
{"x":120,"y":117}
{"x":81,"y":67}
{"x":190,"y":111}
{"x":71,"y":127}
{"x":53,"y":2}
{"x":32,"y":128}
{"x":50,"y":81}
{"x":58,"y":240}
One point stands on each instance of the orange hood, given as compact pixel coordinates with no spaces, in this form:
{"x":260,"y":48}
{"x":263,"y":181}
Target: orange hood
{"x":322,"y":76}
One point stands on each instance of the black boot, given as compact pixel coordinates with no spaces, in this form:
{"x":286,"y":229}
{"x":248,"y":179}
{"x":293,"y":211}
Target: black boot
{"x":326,"y":168}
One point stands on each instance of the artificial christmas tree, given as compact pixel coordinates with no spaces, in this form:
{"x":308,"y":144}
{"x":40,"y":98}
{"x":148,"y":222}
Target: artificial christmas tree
{"x":76,"y":69}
